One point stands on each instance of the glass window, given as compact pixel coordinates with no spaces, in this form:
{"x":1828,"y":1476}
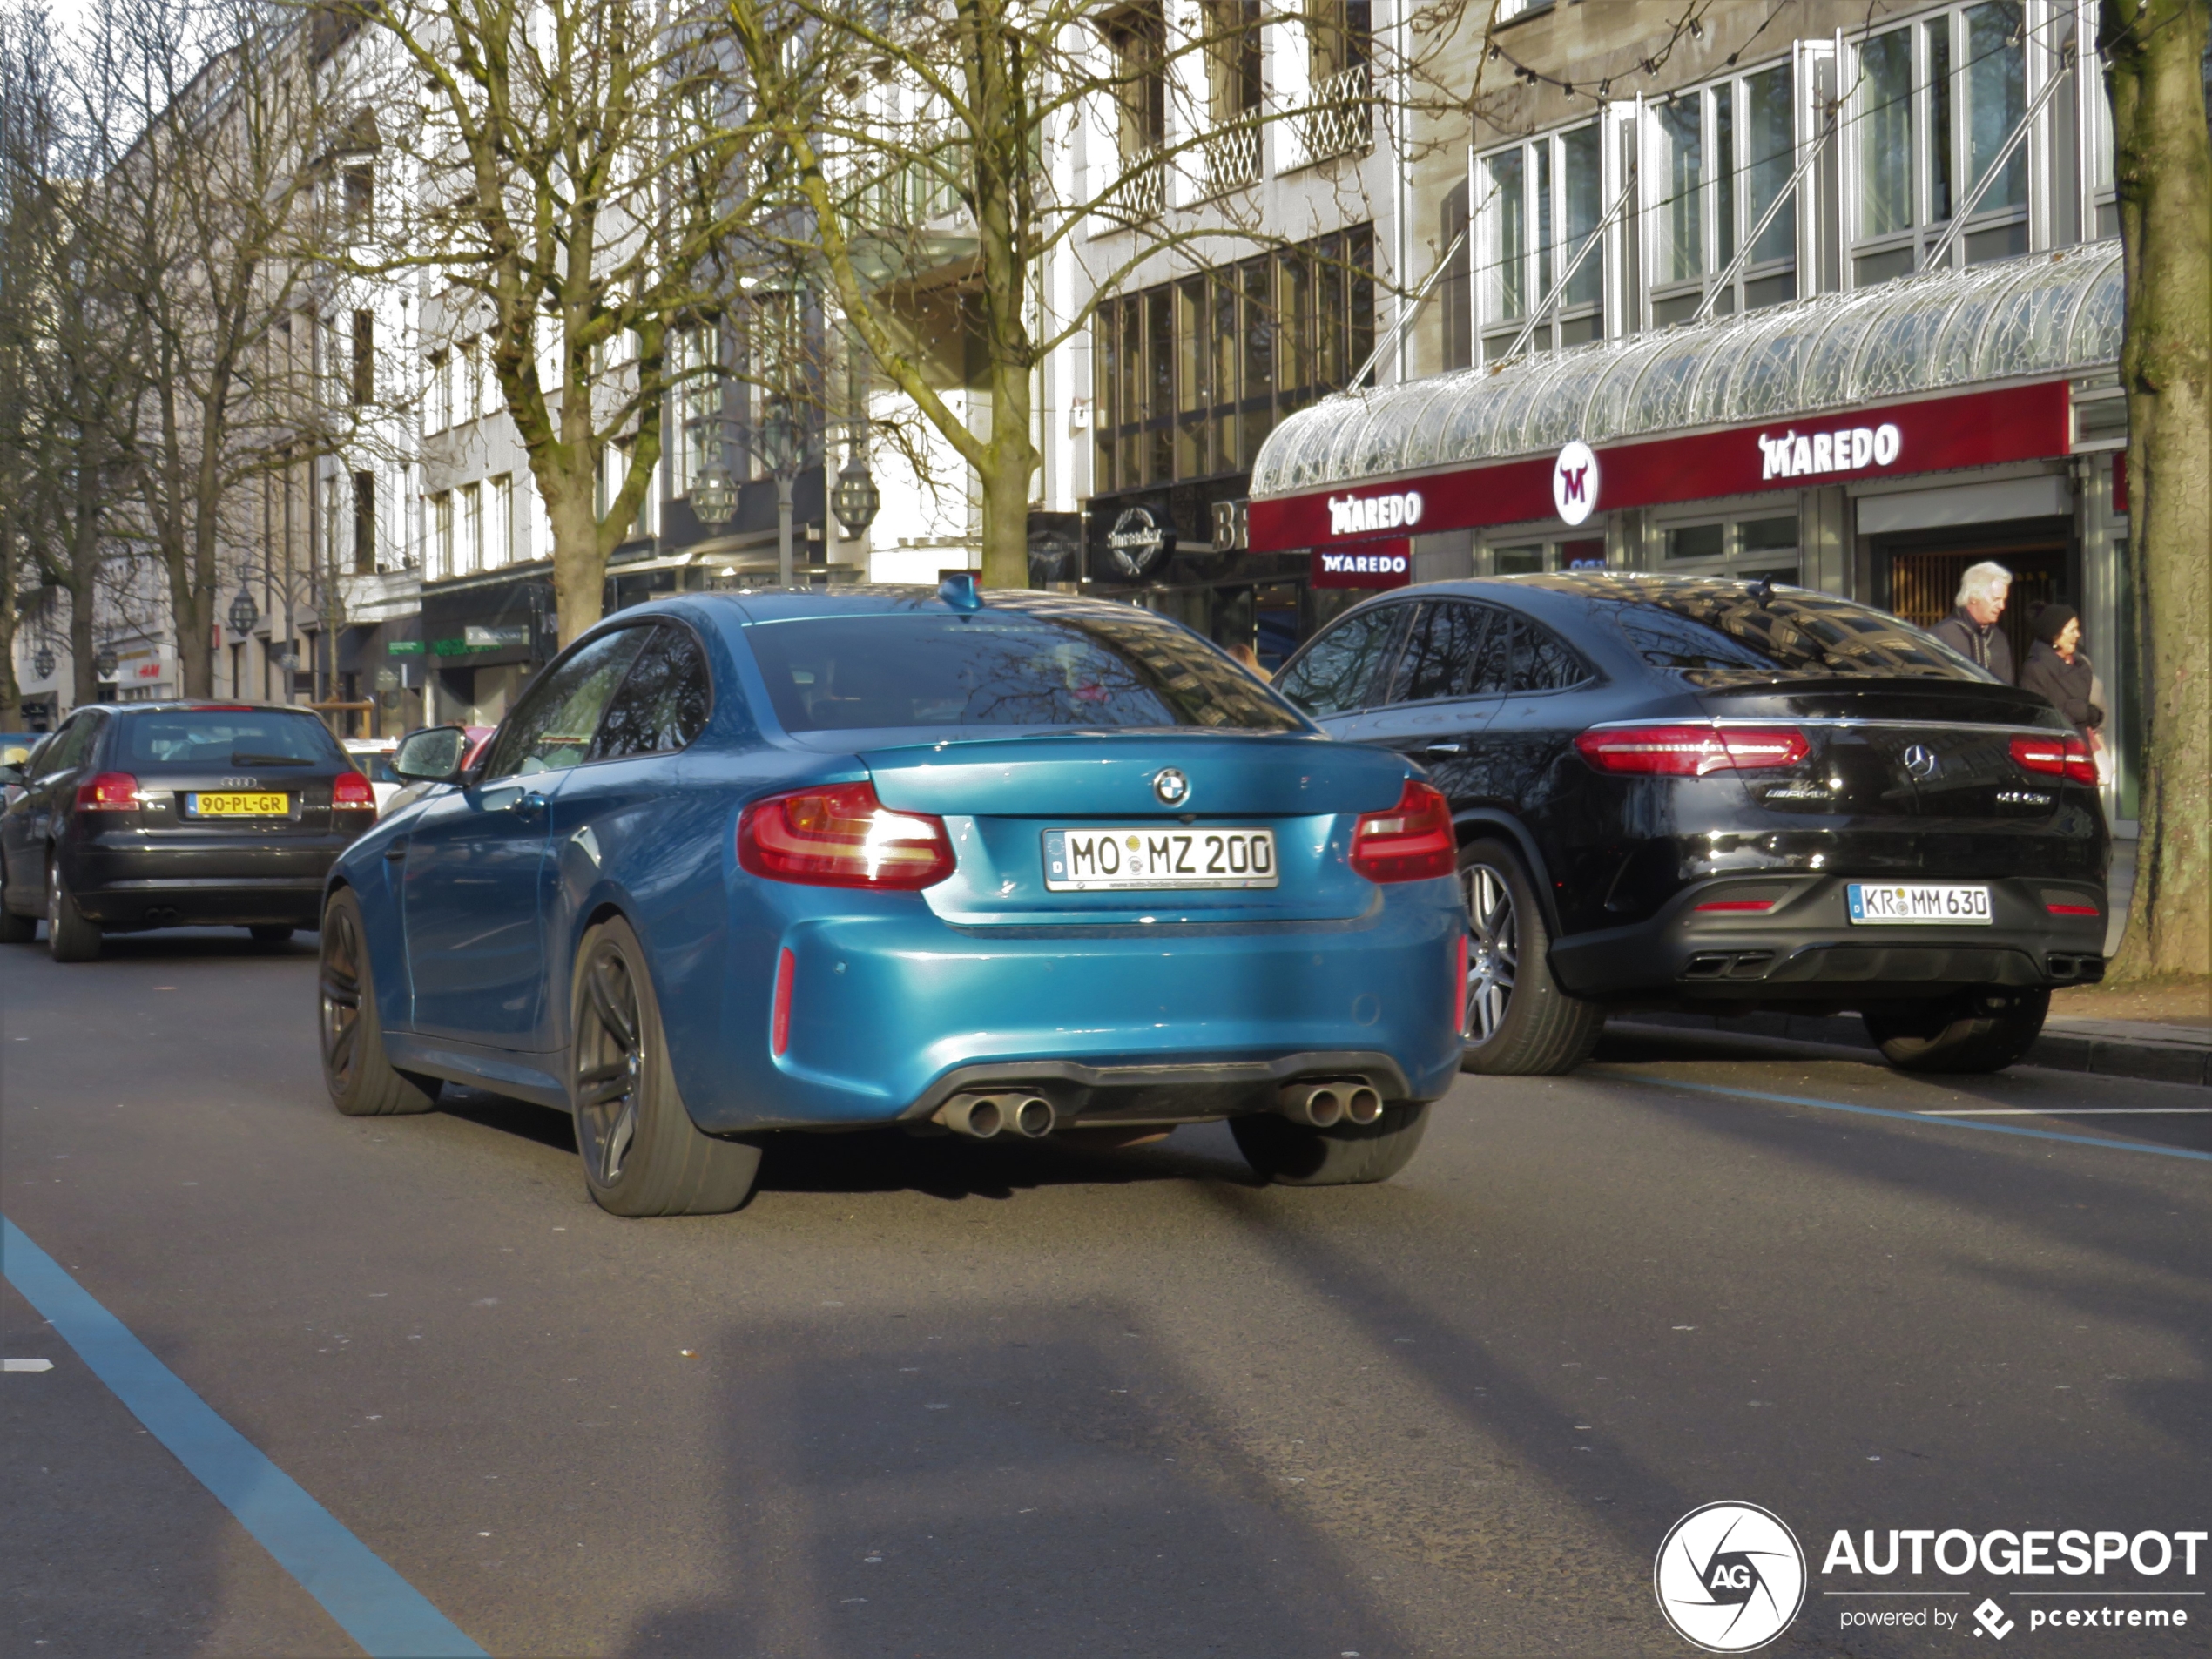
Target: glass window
{"x":1768,"y":535}
{"x":1446,"y":643}
{"x":1696,"y":542}
{"x":1334,"y":673}
{"x":1679,"y":245}
{"x":1582,"y":199}
{"x":1505,"y":242}
{"x":1886,"y":134}
{"x":69,"y":748}
{"x":1538,"y":661}
{"x":1517,"y":561}
{"x":1768,"y":160}
{"x":1724,"y":633}
{"x":1033,"y":664}
{"x":223,"y":738}
{"x":1996,"y":98}
{"x":553,"y":728}
{"x":663,"y":704}
{"x":1940,"y":146}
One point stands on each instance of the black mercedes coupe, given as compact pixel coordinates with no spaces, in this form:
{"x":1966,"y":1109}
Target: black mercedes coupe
{"x":1727,"y":796}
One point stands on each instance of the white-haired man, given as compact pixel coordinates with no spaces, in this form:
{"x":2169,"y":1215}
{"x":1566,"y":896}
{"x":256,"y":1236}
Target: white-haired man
{"x":1971,"y":630}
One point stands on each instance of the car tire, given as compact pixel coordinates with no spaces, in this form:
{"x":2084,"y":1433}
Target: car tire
{"x":269,"y":936}
{"x":1980,"y":1031}
{"x":14,"y":929}
{"x":642,"y":1153}
{"x":71,"y":937}
{"x":1292,"y":1155}
{"x":1515,"y":1019}
{"x":361,"y":1081}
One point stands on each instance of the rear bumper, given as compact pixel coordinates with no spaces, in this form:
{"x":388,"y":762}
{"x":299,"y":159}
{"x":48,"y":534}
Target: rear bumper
{"x":1806,"y":949}
{"x":278,"y":883}
{"x":891,"y":1014}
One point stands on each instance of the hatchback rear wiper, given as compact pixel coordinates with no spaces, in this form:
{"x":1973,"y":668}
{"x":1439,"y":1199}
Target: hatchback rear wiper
{"x":240,"y":758}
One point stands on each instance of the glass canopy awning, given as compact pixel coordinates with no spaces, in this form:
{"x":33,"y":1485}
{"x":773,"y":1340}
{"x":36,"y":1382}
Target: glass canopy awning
{"x":2039,"y":317}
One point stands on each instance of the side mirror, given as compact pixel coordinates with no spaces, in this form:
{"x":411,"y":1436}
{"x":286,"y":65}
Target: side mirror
{"x":10,"y":776}
{"x":431,"y":756}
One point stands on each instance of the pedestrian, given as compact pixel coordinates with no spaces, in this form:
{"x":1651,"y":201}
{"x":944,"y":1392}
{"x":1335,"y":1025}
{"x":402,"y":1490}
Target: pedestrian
{"x":2058,"y":669}
{"x":1971,"y":629}
{"x":1249,"y":659}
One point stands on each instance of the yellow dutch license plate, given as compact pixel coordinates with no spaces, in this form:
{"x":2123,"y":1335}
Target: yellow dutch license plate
{"x":257,"y":804}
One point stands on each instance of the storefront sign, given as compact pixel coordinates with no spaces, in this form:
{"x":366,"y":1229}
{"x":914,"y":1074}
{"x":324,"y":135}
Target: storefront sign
{"x":1365,"y":514}
{"x":1797,"y":455}
{"x":1364,"y":565}
{"x":1574,"y":478}
{"x":1934,"y":434}
{"x":1139,"y":540}
{"x":404,"y":647}
{"x":504,"y":636}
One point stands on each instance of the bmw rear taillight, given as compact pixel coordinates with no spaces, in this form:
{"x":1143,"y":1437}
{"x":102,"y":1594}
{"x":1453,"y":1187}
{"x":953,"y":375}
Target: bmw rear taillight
{"x":2056,"y":757}
{"x":352,"y":792}
{"x":110,"y":792}
{"x":1691,"y":750}
{"x":1411,"y":842}
{"x":839,"y":835}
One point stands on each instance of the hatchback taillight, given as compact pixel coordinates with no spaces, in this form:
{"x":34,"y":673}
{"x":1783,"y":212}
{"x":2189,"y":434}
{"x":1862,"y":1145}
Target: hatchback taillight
{"x":839,"y":835}
{"x":110,"y":792}
{"x":1411,"y":842}
{"x":2056,"y":757}
{"x":1691,"y":750}
{"x":352,"y":792}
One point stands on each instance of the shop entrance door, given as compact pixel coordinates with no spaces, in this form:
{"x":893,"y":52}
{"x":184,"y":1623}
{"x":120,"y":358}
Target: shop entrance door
{"x":1924,"y":582}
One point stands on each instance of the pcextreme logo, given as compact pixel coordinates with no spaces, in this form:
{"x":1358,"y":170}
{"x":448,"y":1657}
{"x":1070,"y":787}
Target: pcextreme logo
{"x":1729,"y":1577}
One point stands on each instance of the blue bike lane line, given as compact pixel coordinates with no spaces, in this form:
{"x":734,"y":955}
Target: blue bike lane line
{"x":371,"y":1603}
{"x":1931,"y":1119}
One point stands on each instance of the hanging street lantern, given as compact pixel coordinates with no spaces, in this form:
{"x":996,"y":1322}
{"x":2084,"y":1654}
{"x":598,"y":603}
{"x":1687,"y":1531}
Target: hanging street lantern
{"x":104,"y":664}
{"x":713,"y":496}
{"x":44,"y":662}
{"x":856,"y":498}
{"x":244,"y":612}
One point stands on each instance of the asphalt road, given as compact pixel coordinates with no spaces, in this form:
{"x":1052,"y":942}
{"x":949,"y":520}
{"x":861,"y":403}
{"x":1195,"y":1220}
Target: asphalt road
{"x":934,"y":1399}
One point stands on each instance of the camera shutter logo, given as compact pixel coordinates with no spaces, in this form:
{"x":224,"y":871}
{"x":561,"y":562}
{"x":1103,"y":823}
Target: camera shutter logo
{"x":1729,"y":1577}
{"x":1575,"y":482}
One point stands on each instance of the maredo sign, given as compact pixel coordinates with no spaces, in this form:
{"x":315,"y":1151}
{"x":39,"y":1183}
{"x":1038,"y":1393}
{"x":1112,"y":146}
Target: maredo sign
{"x":1935,"y":435}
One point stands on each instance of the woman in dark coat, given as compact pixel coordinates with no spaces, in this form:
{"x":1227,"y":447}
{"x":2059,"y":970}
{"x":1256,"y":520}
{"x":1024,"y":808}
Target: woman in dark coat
{"x":2058,"y":669}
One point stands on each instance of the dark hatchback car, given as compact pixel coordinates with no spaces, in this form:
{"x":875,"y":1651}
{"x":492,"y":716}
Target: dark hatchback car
{"x":1728,"y":797}
{"x":177,"y":815}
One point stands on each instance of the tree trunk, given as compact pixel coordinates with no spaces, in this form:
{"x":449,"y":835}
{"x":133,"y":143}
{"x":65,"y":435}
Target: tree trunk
{"x":11,"y":688}
{"x":2163,"y":170}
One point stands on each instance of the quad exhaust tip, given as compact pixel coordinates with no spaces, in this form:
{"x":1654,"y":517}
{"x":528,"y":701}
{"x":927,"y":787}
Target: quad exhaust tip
{"x":982,"y":1117}
{"x":1326,"y":1105}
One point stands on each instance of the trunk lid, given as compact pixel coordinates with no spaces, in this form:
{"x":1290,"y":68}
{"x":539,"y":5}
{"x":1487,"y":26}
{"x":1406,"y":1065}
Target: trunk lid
{"x":1000,"y":797}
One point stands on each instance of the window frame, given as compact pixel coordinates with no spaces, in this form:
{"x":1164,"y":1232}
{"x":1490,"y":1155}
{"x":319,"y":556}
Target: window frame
{"x":1727,"y":207}
{"x":1545,"y":199}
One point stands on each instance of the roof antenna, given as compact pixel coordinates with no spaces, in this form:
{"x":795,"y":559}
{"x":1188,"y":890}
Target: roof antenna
{"x":958,"y":590}
{"x":1762,"y":589}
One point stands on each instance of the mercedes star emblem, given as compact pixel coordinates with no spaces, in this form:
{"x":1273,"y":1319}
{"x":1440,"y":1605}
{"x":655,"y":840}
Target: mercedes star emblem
{"x":1920,"y":761}
{"x":1171,"y":786}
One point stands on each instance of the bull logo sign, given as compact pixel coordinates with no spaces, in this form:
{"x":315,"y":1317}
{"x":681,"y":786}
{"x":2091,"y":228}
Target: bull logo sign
{"x":1575,"y":482}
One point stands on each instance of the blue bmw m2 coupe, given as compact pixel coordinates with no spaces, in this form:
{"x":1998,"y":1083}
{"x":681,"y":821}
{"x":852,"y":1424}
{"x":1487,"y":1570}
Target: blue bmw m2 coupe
{"x":979,"y":864}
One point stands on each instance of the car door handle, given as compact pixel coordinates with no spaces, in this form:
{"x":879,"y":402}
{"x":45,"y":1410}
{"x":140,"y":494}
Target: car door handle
{"x":1440,"y":749}
{"x":396,"y":851}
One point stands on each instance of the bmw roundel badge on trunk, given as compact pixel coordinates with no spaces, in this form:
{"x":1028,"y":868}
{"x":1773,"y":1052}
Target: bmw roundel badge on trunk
{"x":1171,"y":786}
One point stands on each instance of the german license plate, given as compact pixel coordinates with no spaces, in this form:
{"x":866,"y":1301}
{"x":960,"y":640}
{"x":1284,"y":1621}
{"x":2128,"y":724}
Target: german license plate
{"x":1891,"y":903}
{"x":1095,"y":860}
{"x":237,"y":804}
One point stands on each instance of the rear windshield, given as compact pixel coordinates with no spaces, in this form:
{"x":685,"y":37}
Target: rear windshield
{"x":223,"y":738}
{"x":1730,"y":633}
{"x":1001,"y":666}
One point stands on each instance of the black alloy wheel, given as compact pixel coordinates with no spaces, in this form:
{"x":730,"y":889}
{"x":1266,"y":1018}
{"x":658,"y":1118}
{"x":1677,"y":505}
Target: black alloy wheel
{"x":362,"y":1081}
{"x":642,"y":1153}
{"x":1516,"y":1019}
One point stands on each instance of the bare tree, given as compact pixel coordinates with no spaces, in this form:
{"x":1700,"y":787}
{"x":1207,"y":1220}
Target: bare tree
{"x":931,"y":152}
{"x":584,"y":173}
{"x":2154,"y":52}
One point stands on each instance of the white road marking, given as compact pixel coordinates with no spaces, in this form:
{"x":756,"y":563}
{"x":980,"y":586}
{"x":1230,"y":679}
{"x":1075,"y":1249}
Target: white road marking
{"x":26,"y":1365}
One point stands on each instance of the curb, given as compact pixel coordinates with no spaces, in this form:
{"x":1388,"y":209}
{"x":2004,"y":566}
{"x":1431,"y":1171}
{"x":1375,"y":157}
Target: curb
{"x":2107,"y":1049}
